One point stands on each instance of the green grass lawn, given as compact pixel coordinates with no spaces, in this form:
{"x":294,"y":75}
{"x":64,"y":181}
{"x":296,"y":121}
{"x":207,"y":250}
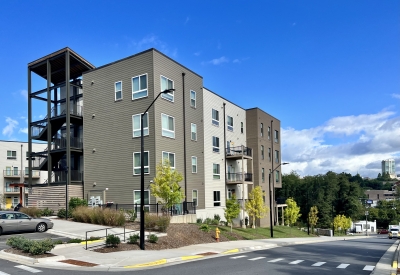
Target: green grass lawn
{"x":260,"y":232}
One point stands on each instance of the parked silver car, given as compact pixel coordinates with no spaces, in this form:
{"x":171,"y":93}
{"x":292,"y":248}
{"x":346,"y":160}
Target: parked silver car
{"x":14,"y":221}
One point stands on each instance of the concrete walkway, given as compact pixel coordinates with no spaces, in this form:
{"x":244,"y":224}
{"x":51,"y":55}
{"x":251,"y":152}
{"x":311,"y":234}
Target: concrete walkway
{"x":138,"y":259}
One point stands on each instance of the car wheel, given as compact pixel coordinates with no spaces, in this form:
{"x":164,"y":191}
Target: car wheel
{"x":41,"y":227}
{"x":1,"y":230}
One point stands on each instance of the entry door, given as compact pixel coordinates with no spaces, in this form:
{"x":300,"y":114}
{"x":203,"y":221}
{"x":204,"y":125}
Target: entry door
{"x":231,"y":173}
{"x":8,"y":203}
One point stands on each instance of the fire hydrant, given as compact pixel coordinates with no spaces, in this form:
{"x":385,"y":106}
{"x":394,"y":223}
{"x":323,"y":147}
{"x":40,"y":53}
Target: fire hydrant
{"x":217,"y":234}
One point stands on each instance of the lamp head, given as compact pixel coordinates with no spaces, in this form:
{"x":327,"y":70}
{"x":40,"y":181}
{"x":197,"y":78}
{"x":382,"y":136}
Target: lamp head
{"x":285,"y":163}
{"x":167,"y":91}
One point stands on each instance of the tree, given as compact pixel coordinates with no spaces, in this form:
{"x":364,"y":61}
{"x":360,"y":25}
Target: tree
{"x":2,"y":200}
{"x":166,"y":184}
{"x":255,"y":204}
{"x":313,"y":217}
{"x":292,"y":212}
{"x":232,"y":209}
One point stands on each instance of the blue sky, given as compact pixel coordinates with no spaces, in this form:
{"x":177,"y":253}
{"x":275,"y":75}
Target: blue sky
{"x":329,"y":70}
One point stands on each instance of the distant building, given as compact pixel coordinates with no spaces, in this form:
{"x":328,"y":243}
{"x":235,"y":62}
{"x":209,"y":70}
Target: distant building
{"x":388,"y":166}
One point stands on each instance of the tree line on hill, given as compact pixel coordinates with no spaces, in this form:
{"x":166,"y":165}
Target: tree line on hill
{"x":338,"y":194}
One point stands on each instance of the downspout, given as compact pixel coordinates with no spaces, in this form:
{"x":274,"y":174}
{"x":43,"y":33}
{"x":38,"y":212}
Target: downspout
{"x":184,"y":139}
{"x":272,"y":173}
{"x":225,"y":167}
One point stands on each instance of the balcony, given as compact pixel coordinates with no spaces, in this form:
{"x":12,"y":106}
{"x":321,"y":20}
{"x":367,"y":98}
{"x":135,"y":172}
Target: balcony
{"x":17,"y":174}
{"x":61,"y":143}
{"x":239,"y":152}
{"x":237,"y":178}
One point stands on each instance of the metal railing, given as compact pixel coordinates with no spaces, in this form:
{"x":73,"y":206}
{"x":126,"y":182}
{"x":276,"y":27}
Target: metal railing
{"x":61,"y":143}
{"x":239,"y":151}
{"x":238,"y":177}
{"x":61,"y":176}
{"x":106,"y":229}
{"x":184,"y":208}
{"x":11,"y":173}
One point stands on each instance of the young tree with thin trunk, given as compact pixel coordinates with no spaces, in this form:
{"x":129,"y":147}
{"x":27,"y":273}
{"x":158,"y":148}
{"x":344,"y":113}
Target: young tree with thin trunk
{"x":292,"y":212}
{"x":313,"y":217}
{"x":232,"y":209}
{"x":255,"y":206}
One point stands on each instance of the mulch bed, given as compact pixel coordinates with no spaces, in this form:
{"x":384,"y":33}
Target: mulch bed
{"x":178,"y":235}
{"x":27,"y":254}
{"x":79,"y":263}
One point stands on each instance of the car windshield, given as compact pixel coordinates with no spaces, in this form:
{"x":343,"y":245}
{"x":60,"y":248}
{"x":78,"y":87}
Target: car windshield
{"x":394,"y":229}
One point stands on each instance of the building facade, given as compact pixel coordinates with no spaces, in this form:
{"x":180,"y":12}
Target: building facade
{"x":204,"y":136}
{"x":388,"y":167}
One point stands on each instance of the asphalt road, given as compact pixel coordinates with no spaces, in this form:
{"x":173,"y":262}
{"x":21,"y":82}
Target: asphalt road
{"x":340,"y":257}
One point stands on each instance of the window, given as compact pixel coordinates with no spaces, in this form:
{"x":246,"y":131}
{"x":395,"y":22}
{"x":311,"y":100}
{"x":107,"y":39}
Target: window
{"x":136,"y":125}
{"x":136,"y":199}
{"x":277,"y":176}
{"x":215,"y":117}
{"x":276,"y":156}
{"x":15,"y":171}
{"x":168,"y":126}
{"x":231,"y":192}
{"x":262,"y":175}
{"x":269,"y":132}
{"x":269,"y":154}
{"x":21,"y":216}
{"x":262,"y":129}
{"x":139,"y":86}
{"x":136,"y":163}
{"x":194,"y":131}
{"x":276,"y":136}
{"x":118,"y":90}
{"x":11,"y":154}
{"x":26,"y":171}
{"x":195,"y":198}
{"x":11,"y":189}
{"x":169,"y":156}
{"x":194,"y":164}
{"x":217,"y":198}
{"x":8,"y":171}
{"x":193,"y":99}
{"x":262,"y":151}
{"x":230,"y":123}
{"x":241,"y":127}
{"x":215,"y":142}
{"x":216,"y":174}
{"x":165,"y":85}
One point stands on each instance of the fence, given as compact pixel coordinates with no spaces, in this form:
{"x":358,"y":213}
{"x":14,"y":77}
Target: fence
{"x":157,"y":208}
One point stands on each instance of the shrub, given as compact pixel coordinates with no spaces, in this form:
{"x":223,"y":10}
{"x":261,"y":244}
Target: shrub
{"x":31,"y":246}
{"x":58,"y":242}
{"x":132,"y":215}
{"x":159,"y":223}
{"x":31,"y":211}
{"x":207,"y":221}
{"x":163,"y":223}
{"x":132,"y":239}
{"x":75,"y":241}
{"x":215,"y":222}
{"x":204,"y":228}
{"x":47,"y":212}
{"x":61,"y":213}
{"x":150,"y":221}
{"x":112,"y":240}
{"x":217,"y":217}
{"x":153,"y":238}
{"x":99,"y":216}
{"x":199,"y":220}
{"x":75,"y":202}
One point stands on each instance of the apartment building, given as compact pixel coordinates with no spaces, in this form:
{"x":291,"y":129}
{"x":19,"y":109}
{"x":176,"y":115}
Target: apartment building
{"x":389,"y":167}
{"x":14,"y":163}
{"x":203,"y":135}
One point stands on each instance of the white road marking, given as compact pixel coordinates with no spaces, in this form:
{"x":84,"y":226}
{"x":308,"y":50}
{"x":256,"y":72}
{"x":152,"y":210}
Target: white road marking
{"x":27,"y":268}
{"x":3,"y":273}
{"x":296,"y":262}
{"x":275,"y":260}
{"x":318,"y":264}
{"x":258,"y":258}
{"x":369,"y":267}
{"x":237,"y":257}
{"x":342,"y":265}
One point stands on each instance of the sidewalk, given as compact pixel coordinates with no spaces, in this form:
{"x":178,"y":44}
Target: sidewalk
{"x":138,"y":259}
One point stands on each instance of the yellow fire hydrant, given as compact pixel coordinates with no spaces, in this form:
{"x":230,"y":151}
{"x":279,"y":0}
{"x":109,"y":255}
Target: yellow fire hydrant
{"x":217,"y":234}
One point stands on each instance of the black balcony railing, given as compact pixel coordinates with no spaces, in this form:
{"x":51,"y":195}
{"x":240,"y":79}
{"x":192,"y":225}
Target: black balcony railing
{"x":239,"y":151}
{"x":159,"y":209}
{"x":238,"y":177}
{"x":61,"y":143}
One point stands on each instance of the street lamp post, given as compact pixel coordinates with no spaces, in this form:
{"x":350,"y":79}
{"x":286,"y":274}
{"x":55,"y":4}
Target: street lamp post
{"x":270,"y":198}
{"x":142,"y":170}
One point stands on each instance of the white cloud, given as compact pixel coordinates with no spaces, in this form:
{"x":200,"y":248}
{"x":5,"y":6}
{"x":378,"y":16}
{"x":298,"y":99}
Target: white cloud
{"x":236,"y":61}
{"x":152,"y":41}
{"x":23,"y":130}
{"x":24,"y":93}
{"x":396,"y":96}
{"x":11,"y":125}
{"x":217,"y":61}
{"x":368,"y":140}
{"x":197,"y":53}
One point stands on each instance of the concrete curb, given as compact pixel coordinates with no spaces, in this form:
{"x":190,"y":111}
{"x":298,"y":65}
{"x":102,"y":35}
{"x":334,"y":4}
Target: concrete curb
{"x":24,"y":259}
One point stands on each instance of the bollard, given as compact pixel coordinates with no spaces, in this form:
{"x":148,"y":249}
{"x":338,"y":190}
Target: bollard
{"x":217,"y":234}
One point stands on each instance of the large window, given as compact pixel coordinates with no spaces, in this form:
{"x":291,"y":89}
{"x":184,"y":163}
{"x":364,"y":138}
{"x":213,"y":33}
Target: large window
{"x":215,"y":117}
{"x":15,"y":171}
{"x":194,"y":164}
{"x":136,"y":199}
{"x":276,"y":136}
{"x":139,"y":86}
{"x":277,"y":176}
{"x":230,"y":123}
{"x":262,"y":151}
{"x":168,"y":126}
{"x":136,"y":125}
{"x":215,"y":142}
{"x":8,"y":171}
{"x":165,"y":85}
{"x":276,"y":156}
{"x":194,"y":131}
{"x":169,"y":156}
{"x":11,"y":154}
{"x":216,"y":173}
{"x":26,"y":171}
{"x":217,"y":198}
{"x":262,"y":175}
{"x":193,"y":99}
{"x":118,"y":90}
{"x":262,"y":129}
{"x":195,"y":198}
{"x":136,"y":163}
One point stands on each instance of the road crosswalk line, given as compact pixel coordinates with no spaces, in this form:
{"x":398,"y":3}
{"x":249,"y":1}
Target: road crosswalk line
{"x":275,"y":260}
{"x":27,"y":268}
{"x":3,"y":273}
{"x":258,"y":258}
{"x":369,"y":267}
{"x":342,"y":265}
{"x":296,"y":262}
{"x":237,"y":257}
{"x":318,"y":264}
